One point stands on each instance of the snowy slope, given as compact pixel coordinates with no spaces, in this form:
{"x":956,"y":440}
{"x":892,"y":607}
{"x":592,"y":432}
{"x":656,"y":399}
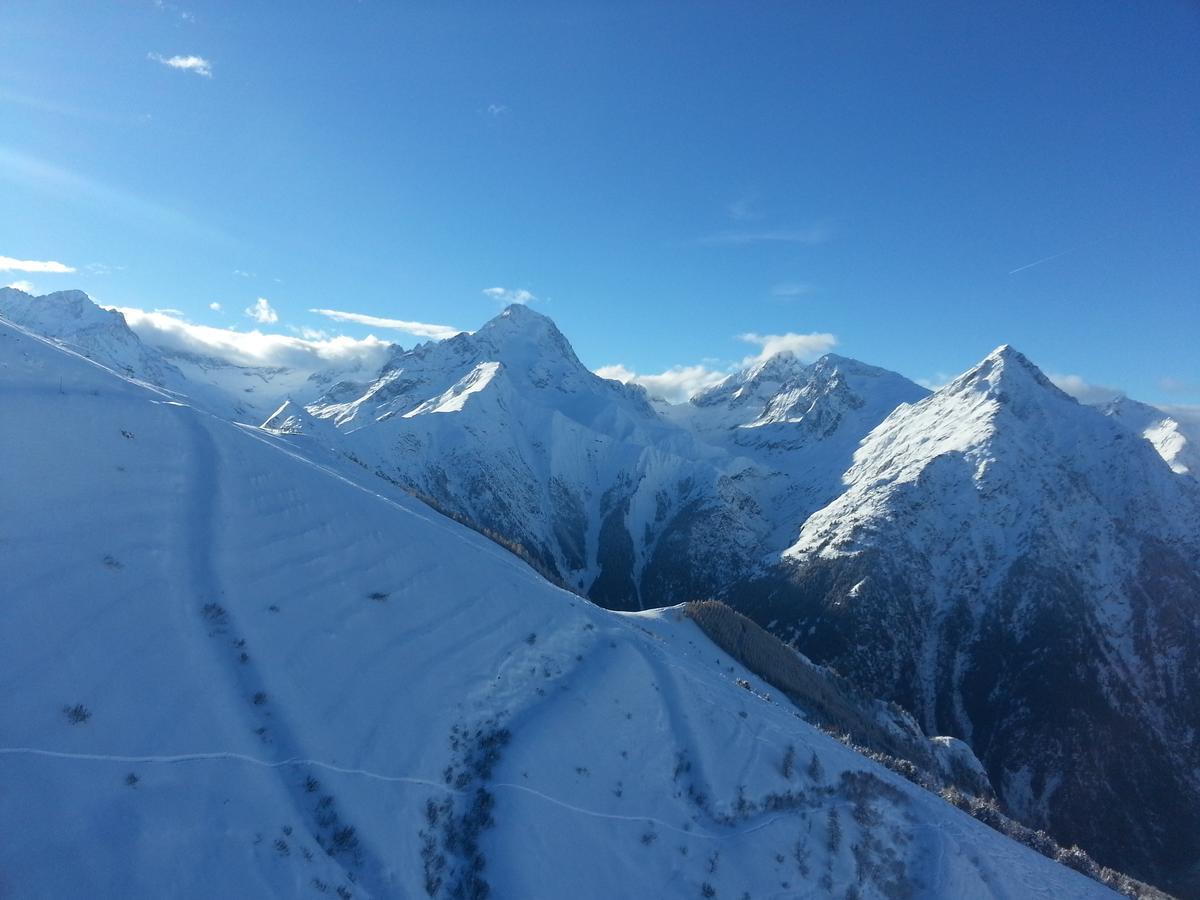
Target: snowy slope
{"x":507,"y":428}
{"x":632,"y":503}
{"x":800,"y":425}
{"x":231,"y":671}
{"x":629,"y":502}
{"x":1021,"y":571}
{"x":1177,"y":442}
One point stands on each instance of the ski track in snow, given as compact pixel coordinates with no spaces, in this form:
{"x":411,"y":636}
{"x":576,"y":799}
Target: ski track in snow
{"x":374,"y":776}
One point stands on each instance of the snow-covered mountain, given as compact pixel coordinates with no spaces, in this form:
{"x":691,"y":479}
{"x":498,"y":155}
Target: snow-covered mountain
{"x":800,"y":426}
{"x":629,"y":503}
{"x":71,"y":318}
{"x":230,"y":388}
{"x":1018,"y":570}
{"x":1023,"y":572}
{"x":235,"y":667}
{"x":1176,"y":441}
{"x":507,"y":429}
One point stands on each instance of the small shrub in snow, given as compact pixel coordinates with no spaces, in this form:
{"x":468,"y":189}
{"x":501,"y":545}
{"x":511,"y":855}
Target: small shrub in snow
{"x":789,"y":761}
{"x":816,"y":772}
{"x":833,"y":833}
{"x":215,"y":613}
{"x":345,"y":840}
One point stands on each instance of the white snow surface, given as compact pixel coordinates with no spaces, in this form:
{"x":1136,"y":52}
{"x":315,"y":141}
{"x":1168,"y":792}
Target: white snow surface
{"x":262,"y":650}
{"x":1177,"y":441}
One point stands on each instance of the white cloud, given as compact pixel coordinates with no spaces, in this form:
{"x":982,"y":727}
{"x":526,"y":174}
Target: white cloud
{"x":8,"y":264}
{"x":680,"y":383}
{"x":790,"y":289}
{"x":215,"y":306}
{"x":1083,"y":391}
{"x":197,"y":64}
{"x":496,"y":109}
{"x":262,"y":312}
{"x":806,"y":346}
{"x":420,"y":329}
{"x":936,"y":383}
{"x":677,"y":384}
{"x":172,"y":8}
{"x":255,"y":348}
{"x":814,"y":234}
{"x":1185,"y":414}
{"x":174,"y":313}
{"x":1178,"y":385}
{"x":26,"y":286}
{"x":745,"y":208}
{"x":508,"y":295}
{"x":102,"y":269}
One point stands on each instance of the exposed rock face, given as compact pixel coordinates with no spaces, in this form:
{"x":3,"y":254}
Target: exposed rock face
{"x":1022,"y":572}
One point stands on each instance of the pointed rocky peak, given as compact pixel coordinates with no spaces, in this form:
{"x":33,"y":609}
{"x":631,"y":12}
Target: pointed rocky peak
{"x":1006,"y":374}
{"x":290,"y":418}
{"x":754,"y":385}
{"x":519,"y":322}
{"x":522,"y":339}
{"x":781,"y":367}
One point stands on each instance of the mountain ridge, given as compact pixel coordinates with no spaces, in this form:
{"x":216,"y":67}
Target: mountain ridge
{"x":966,"y":538}
{"x":232,"y":621}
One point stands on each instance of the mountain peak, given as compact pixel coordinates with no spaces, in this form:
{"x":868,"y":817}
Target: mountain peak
{"x":61,"y":314}
{"x":519,"y":329}
{"x":518,"y":316}
{"x":1003,"y":372}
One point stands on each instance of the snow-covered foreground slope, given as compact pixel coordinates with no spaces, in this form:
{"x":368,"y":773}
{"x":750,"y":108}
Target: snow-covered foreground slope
{"x":230,"y":671}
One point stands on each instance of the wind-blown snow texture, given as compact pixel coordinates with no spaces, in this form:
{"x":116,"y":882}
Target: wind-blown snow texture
{"x":234,"y":671}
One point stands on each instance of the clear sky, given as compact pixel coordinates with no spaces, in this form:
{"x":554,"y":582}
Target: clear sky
{"x":917,"y":182}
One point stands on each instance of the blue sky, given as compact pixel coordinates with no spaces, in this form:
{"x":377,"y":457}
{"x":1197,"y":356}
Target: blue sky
{"x":911,"y":186}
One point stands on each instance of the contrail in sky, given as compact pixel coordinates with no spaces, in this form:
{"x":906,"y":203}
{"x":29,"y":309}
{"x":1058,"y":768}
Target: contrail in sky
{"x":1038,"y":262}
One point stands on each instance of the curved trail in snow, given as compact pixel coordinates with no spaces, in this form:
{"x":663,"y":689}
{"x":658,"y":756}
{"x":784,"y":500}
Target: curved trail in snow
{"x":376,"y":776}
{"x":231,"y":757}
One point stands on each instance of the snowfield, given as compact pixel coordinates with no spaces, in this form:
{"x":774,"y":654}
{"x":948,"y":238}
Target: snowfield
{"x":233,"y":671}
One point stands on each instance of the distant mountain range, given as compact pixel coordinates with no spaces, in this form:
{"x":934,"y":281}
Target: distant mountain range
{"x":1016,"y":569}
